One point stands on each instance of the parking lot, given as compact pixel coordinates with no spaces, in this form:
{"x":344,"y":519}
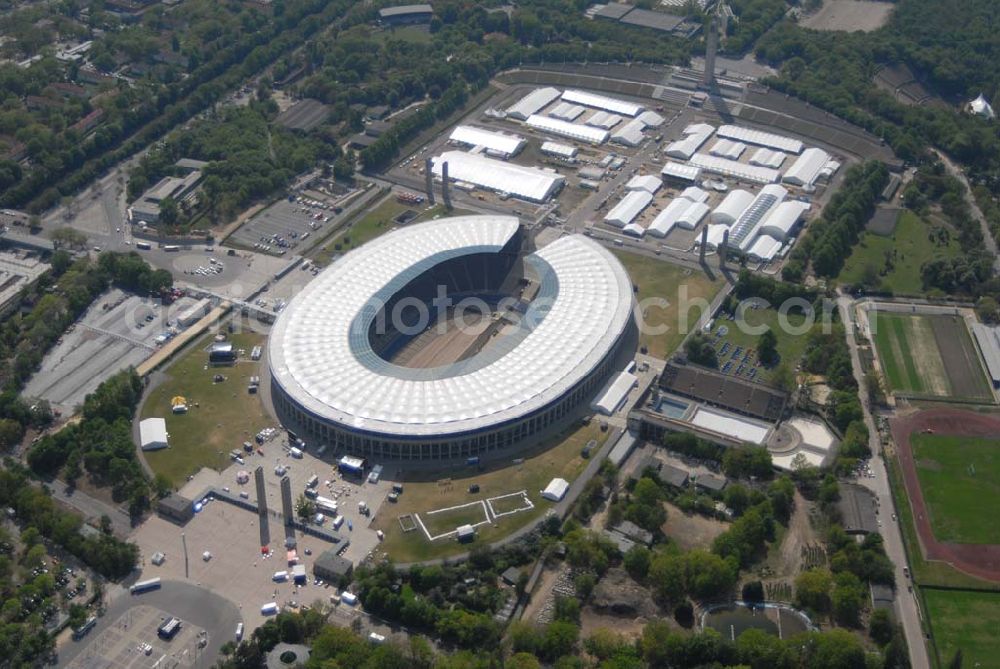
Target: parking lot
{"x":236,"y":569}
{"x":131,"y":642}
{"x":119,"y":330}
{"x":284,"y":226}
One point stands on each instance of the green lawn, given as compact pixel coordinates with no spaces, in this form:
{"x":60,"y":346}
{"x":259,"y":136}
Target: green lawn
{"x":965,"y":620}
{"x":426,"y":491}
{"x":221,"y":416}
{"x":935,"y":573}
{"x":790,"y":346}
{"x":375,"y":222}
{"x":960,"y":479}
{"x":658,"y":279}
{"x":447,"y":521}
{"x":895,"y":337}
{"x":909,"y":247}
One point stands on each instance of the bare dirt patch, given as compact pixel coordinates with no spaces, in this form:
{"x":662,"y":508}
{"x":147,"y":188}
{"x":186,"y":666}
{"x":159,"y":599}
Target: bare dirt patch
{"x":800,"y":534}
{"x":591,"y":621}
{"x":849,"y":15}
{"x":690,"y":530}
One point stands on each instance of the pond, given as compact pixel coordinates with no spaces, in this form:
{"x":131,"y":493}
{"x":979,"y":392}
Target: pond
{"x":731,"y":620}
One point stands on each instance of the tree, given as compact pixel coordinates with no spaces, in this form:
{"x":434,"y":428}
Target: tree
{"x":161,"y":485}
{"x":667,"y":576}
{"x":560,"y":639}
{"x":783,"y":377}
{"x":522,"y":661}
{"x":880,"y":626}
{"x":69,"y":238}
{"x":812,"y":589}
{"x":169,"y":211}
{"x":304,"y":508}
{"x":567,"y":609}
{"x":637,"y":560}
{"x":709,"y":575}
{"x":700,"y":350}
{"x":848,"y":599}
{"x":767,"y":348}
{"x":11,"y":433}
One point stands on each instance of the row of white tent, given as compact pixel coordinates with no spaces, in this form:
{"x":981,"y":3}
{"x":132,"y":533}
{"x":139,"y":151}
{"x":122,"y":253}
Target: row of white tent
{"x":760,"y":225}
{"x":763,"y":167}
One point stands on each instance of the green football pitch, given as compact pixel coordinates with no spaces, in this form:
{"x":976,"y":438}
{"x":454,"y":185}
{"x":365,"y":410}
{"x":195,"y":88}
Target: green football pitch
{"x":960,"y":480}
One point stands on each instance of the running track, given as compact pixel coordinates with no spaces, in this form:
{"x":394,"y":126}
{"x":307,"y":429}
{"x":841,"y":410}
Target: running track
{"x":982,"y":561}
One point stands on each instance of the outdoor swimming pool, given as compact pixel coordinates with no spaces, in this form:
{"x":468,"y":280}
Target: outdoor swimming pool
{"x":671,"y":408}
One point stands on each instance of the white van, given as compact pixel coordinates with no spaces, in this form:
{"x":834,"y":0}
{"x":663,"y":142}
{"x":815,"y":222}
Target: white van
{"x":239,"y":631}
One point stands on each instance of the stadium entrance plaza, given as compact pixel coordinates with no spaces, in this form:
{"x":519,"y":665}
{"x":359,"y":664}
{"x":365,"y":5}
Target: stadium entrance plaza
{"x":237,"y":570}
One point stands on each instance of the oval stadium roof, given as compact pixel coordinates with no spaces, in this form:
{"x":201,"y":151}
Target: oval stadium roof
{"x":321,"y":357}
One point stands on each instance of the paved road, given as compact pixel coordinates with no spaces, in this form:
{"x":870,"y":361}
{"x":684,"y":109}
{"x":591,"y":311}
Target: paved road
{"x":907,"y":609}
{"x":91,"y":507}
{"x":955,"y":171}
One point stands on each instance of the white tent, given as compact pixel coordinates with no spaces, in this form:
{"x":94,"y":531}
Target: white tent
{"x":555,"y":490}
{"x":981,"y":107}
{"x":647,"y":182}
{"x":614,"y":393}
{"x":628,"y":208}
{"x":153,"y":434}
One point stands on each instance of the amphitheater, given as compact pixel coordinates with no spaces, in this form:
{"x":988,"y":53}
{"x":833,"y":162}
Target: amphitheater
{"x":450,"y":339}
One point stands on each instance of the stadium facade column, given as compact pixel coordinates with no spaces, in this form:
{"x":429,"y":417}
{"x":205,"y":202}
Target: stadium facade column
{"x":445,"y":193}
{"x":286,"y":500}
{"x":429,"y":180}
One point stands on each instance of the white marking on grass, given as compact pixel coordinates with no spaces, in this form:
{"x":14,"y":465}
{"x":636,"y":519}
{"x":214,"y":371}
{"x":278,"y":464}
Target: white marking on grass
{"x":423,"y":527}
{"x":524,"y":497}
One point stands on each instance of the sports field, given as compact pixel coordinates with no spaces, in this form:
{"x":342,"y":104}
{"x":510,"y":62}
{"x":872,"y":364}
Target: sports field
{"x":929,"y":355}
{"x":658,"y":279}
{"x":964,"y":620}
{"x":427,"y":491}
{"x":960,"y":479}
{"x":220,"y":417}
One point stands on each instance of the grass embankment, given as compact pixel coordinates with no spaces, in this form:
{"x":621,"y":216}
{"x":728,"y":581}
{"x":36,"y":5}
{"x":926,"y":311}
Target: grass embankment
{"x":558,"y":457}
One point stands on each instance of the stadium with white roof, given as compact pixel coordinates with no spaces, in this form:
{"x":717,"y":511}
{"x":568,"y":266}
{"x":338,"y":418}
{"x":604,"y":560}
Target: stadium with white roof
{"x":559,"y":321}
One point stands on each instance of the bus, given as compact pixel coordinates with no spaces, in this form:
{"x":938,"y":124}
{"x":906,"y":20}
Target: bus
{"x":171,"y":247}
{"x":82,"y":631}
{"x":169,"y":629}
{"x":145,"y":586}
{"x":145,"y":246}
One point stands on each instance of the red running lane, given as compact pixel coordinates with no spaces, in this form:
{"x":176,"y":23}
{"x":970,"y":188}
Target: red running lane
{"x":981,"y":561}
